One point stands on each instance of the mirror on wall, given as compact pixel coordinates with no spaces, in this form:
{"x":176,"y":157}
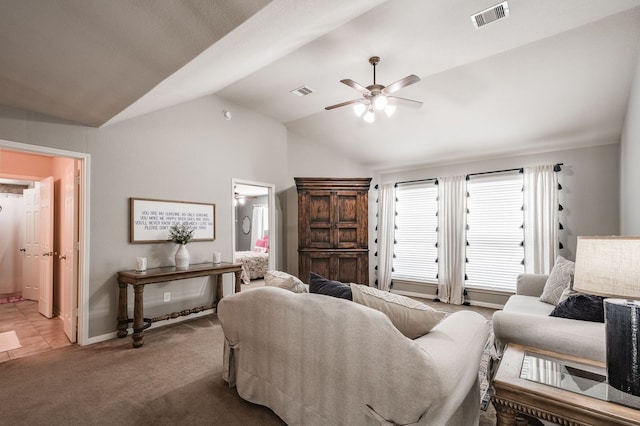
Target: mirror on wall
{"x":254,"y":236}
{"x":246,"y":225}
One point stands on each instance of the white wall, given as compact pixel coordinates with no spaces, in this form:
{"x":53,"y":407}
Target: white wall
{"x":186,"y":153}
{"x":629,"y":161}
{"x":307,"y":159}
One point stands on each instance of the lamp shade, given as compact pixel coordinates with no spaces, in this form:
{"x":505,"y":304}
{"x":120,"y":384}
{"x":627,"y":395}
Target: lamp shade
{"x":608,"y":266}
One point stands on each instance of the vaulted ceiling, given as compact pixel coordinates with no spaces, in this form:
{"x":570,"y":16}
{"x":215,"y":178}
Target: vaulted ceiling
{"x":552,"y":75}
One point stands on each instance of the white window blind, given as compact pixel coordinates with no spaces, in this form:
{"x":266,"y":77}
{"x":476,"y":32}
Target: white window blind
{"x":495,"y":234}
{"x":416,"y":232}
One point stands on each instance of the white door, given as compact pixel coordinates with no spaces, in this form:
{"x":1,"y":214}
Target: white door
{"x":45,"y":302}
{"x":31,"y":247}
{"x":68,"y":254}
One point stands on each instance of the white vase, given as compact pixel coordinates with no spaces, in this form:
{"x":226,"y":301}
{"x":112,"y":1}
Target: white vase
{"x":182,"y":256}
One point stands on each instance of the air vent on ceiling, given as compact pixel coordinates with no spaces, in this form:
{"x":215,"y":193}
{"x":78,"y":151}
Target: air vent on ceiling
{"x":302,"y":91}
{"x":490,"y":15}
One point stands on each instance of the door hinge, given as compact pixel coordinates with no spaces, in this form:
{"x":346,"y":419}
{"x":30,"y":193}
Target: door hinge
{"x":76,"y":245}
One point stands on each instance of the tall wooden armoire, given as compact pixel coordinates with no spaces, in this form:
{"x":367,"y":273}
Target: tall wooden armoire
{"x":333,"y":229}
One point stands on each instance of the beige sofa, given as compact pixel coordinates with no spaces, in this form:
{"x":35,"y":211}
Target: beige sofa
{"x":320,"y":360}
{"x":525,"y":320}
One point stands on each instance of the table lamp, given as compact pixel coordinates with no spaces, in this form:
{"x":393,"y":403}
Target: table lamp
{"x":610,"y":267}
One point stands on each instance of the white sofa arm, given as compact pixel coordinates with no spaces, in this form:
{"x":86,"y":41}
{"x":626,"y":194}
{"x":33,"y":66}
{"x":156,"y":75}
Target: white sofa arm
{"x":580,"y":338}
{"x":531,"y":284}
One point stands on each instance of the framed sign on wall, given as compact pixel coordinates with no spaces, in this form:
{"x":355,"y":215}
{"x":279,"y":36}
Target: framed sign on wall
{"x":150,"y":220}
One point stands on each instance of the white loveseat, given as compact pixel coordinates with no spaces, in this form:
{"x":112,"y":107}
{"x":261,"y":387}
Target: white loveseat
{"x":525,"y":320}
{"x":319,"y":360}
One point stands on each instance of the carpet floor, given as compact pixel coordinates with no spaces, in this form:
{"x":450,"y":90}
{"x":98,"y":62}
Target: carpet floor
{"x":174,"y":379}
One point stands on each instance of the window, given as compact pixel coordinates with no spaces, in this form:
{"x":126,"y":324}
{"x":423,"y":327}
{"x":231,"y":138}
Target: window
{"x":495,"y":234}
{"x":416,"y":232}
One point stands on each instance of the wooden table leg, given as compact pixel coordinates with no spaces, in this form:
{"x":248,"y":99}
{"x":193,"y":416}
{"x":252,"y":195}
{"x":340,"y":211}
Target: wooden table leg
{"x":238,"y":281}
{"x":218,"y":286}
{"x":123,"y":319}
{"x":505,"y":416}
{"x":138,"y":315}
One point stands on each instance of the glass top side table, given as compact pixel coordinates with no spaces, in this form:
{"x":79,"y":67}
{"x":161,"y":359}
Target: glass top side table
{"x":559,"y":388}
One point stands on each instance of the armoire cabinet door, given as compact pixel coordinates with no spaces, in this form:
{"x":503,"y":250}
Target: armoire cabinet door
{"x":347,"y":267}
{"x":333,"y":219}
{"x":350,"y":219}
{"x":316,"y":219}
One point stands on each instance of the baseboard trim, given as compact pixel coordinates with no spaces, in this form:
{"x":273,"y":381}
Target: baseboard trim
{"x":486,"y":305}
{"x":414,"y":294}
{"x":432,"y":297}
{"x":113,"y":335}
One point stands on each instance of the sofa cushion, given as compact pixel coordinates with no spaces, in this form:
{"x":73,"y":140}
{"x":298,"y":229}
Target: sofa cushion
{"x":410,"y":317}
{"x":559,"y":279}
{"x":284,"y":280}
{"x":585,"y":307}
{"x":527,"y":305}
{"x":321,"y":285}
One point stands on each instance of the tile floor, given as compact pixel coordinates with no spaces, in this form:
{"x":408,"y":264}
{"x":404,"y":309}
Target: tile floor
{"x":35,"y":332}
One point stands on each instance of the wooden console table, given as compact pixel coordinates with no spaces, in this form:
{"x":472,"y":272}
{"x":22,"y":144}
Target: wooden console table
{"x":559,"y":388}
{"x":159,"y":275}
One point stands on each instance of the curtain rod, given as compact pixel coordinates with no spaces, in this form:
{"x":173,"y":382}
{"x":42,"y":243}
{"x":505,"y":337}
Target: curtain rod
{"x":556,"y":168}
{"x":415,"y":181}
{"x":519,"y":170}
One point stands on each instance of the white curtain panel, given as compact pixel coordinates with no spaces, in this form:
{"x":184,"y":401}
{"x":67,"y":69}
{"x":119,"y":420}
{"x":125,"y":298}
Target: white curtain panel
{"x":452,"y":208}
{"x":386,"y":234}
{"x":259,"y":223}
{"x":540,"y":219}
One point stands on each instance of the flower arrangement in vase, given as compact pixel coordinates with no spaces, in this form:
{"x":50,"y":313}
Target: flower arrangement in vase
{"x":181,"y":234}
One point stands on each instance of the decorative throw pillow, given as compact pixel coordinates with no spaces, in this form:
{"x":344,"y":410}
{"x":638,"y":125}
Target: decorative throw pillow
{"x":559,"y":279}
{"x":321,"y":285}
{"x":284,"y":280}
{"x":585,"y":307}
{"x":410,"y":317}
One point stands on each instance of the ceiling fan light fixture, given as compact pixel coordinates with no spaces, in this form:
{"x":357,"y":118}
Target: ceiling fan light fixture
{"x":380,"y":102}
{"x":369,"y":117}
{"x":376,"y":97}
{"x":389,"y":110}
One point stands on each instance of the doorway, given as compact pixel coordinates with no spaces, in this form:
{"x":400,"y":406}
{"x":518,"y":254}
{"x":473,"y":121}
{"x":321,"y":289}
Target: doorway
{"x":68,"y":255}
{"x":255,"y":235}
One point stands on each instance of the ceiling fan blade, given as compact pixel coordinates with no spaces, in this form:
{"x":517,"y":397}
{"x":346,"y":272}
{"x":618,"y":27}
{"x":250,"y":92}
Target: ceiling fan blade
{"x":394,"y":100}
{"x":355,"y":85}
{"x":355,"y":101}
{"x":410,"y":79}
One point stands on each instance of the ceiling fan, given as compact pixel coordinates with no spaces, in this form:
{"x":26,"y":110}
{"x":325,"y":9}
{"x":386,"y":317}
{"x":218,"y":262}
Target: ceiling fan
{"x":376,"y":96}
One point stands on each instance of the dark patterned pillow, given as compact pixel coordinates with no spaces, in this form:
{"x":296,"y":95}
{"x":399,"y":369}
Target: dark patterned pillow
{"x":321,"y":285}
{"x":585,"y":307}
